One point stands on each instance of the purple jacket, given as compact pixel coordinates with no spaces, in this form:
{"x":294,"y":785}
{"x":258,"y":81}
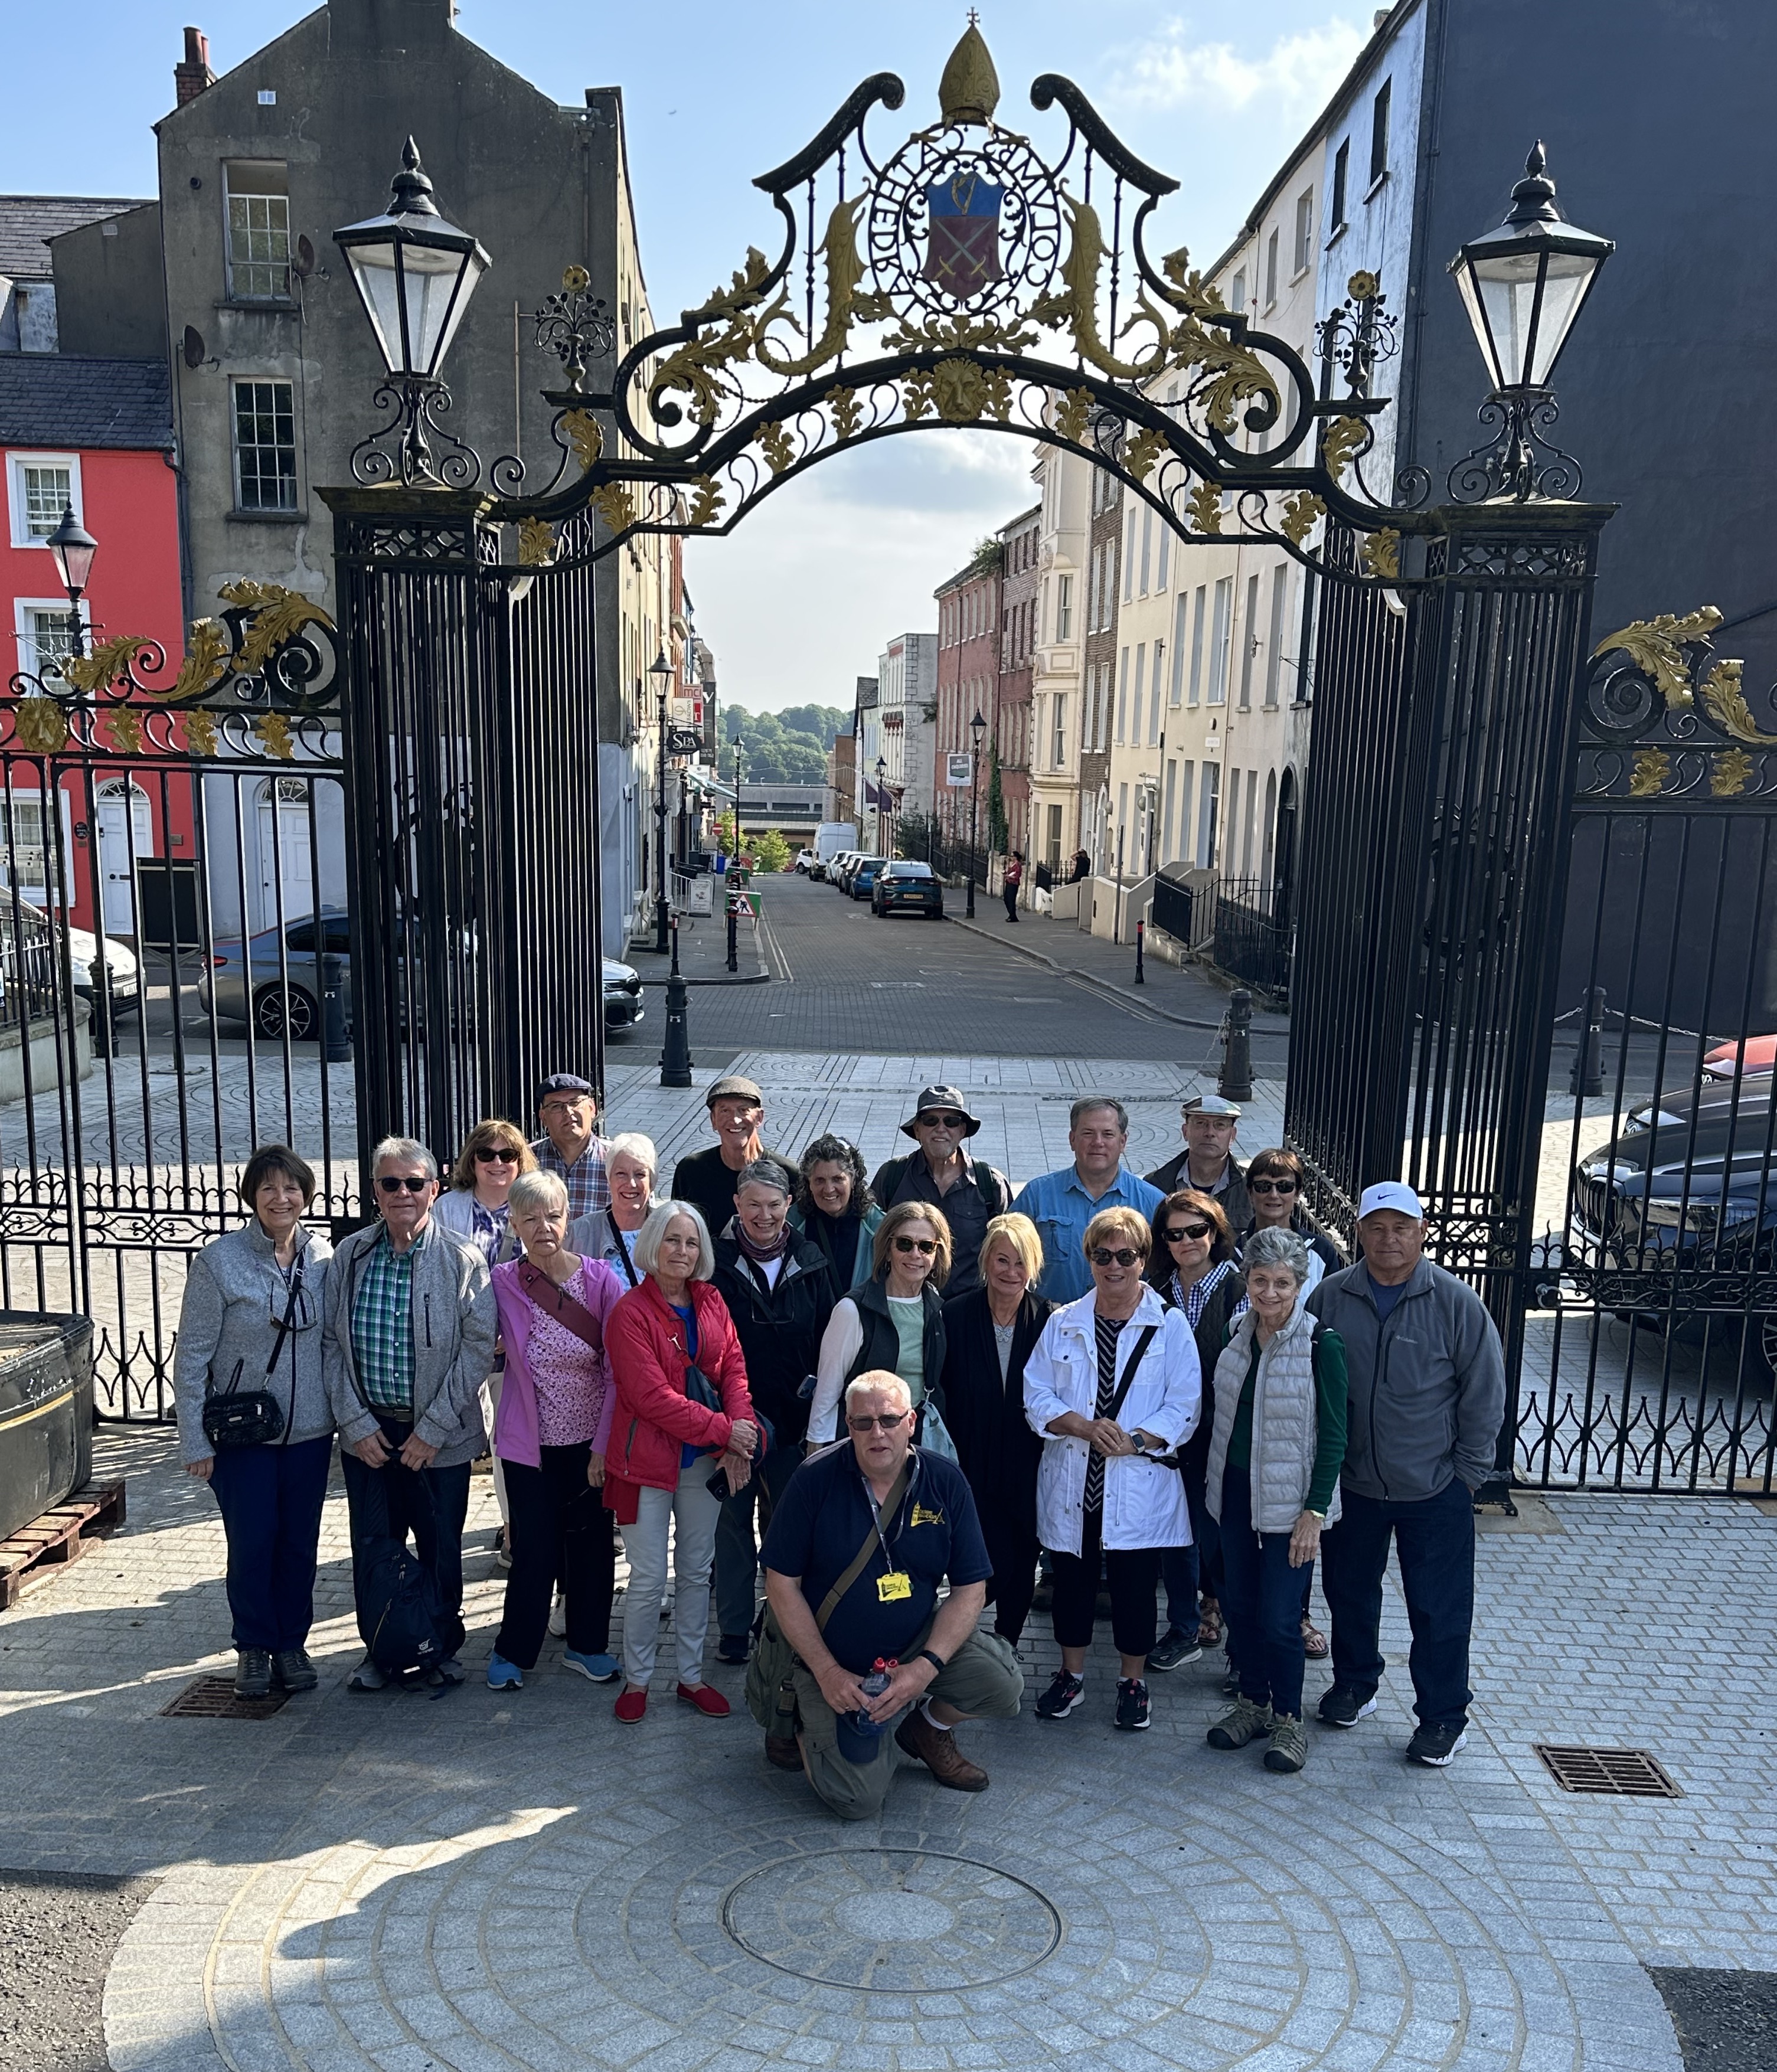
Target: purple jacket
{"x":515,"y":1423}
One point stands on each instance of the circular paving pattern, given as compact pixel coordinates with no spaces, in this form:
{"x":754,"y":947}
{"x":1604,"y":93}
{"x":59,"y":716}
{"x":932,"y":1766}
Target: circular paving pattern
{"x":891,"y":1921}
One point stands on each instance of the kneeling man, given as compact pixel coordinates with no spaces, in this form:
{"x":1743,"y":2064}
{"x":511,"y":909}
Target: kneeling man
{"x":861,"y":1537}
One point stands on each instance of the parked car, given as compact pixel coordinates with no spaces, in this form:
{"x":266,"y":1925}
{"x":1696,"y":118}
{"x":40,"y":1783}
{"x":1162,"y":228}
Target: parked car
{"x":249,"y":982}
{"x":817,"y":870}
{"x":908,"y":888}
{"x":840,"y":865}
{"x":30,"y":949}
{"x":863,"y":880}
{"x":805,"y":861}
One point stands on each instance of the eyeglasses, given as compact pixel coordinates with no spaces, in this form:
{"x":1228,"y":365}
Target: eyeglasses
{"x":927,"y":1245}
{"x":885,"y":1423}
{"x":1272,"y":1186}
{"x":563,"y":1107}
{"x":392,"y":1183}
{"x":945,"y":1121}
{"x":496,"y":1154}
{"x":1103,"y":1255}
{"x":1179,"y":1232}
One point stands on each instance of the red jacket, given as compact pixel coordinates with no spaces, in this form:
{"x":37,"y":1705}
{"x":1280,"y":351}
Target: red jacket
{"x":645,"y":1348}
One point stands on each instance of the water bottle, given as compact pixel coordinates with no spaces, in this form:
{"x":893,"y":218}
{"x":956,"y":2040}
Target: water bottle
{"x":873,"y":1686}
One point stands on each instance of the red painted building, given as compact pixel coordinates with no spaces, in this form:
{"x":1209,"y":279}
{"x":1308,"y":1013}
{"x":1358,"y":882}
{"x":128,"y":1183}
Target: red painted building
{"x":968,"y":667}
{"x":95,"y":434}
{"x":1020,"y":582}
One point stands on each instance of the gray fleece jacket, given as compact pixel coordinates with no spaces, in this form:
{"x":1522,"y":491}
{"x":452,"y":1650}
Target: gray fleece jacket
{"x":454,"y":1328}
{"x":233,"y":1292}
{"x":1426,"y":1390}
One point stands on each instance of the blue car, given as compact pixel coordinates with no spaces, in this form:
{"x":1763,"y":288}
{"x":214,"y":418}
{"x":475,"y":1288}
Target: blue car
{"x":863,"y":880}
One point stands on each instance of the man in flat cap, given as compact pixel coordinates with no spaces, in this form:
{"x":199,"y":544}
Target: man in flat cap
{"x":570,"y":1146}
{"x":970,"y":1192}
{"x":707,"y":1179}
{"x":1207,"y":1163}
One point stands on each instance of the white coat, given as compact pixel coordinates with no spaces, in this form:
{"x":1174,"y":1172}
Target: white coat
{"x":1144,"y":1499}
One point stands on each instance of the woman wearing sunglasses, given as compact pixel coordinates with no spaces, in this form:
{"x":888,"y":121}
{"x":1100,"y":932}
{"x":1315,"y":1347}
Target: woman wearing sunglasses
{"x":1193,"y":1267}
{"x":893,"y":1322}
{"x":250,"y":1325}
{"x":1277,"y":1205}
{"x":1112,"y":1388}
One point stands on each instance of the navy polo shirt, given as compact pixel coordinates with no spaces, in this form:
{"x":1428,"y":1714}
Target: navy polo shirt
{"x":819,"y":1524}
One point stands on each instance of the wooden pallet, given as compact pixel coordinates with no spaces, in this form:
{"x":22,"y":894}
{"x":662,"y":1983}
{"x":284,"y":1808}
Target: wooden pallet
{"x":58,"y":1536}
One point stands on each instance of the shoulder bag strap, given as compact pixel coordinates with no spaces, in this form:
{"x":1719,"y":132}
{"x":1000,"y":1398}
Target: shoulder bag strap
{"x":283,"y":1329}
{"x":622,"y":1250}
{"x":574,"y":1316}
{"x":1136,"y":1358}
{"x":830,"y":1603}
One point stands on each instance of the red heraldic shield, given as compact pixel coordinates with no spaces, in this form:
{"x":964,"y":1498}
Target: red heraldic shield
{"x":963,"y":249}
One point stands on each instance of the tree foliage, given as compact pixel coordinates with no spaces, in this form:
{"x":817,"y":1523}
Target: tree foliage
{"x":769,"y":851}
{"x":787,"y":747}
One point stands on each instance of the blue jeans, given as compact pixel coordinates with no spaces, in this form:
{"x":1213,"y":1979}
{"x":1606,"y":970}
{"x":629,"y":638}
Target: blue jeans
{"x":1262,"y":1600}
{"x":271,"y":1499}
{"x":737,"y":1557}
{"x":392,"y":1501}
{"x":1434,"y":1545}
{"x":1187,"y":1570}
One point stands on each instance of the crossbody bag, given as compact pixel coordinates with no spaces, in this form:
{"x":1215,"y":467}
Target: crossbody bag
{"x":571,"y":1314}
{"x":252,"y":1416}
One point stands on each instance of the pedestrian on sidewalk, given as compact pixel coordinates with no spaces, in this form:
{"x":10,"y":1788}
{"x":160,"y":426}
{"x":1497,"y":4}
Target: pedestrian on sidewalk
{"x":1209,"y":1125}
{"x":570,"y":1145}
{"x":861,"y":1539}
{"x":631,"y":1164}
{"x":1194,"y":1266}
{"x":1062,"y":1204}
{"x":684,"y":1417}
{"x":1275,"y":1451}
{"x":1427,"y":1383}
{"x":1010,"y":884}
{"x":1275,"y":1182}
{"x":556,"y":1410}
{"x":707,"y":1179}
{"x":836,"y":1210}
{"x":410,"y":1325}
{"x":780,"y":1291}
{"x":970,"y":1192}
{"x":1112,"y":1388}
{"x":989,"y":1334}
{"x":893,"y":1323}
{"x":250,"y":1323}
{"x":1081,"y":869}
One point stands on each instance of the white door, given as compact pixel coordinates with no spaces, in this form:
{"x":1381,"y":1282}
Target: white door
{"x":126,"y":830}
{"x":286,"y":856}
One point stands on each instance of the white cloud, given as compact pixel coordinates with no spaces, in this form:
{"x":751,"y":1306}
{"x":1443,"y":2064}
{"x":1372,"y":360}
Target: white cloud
{"x":1299,"y":71}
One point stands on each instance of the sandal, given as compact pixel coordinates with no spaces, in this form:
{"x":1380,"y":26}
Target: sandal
{"x":1314,"y":1642}
{"x":1209,"y":1624}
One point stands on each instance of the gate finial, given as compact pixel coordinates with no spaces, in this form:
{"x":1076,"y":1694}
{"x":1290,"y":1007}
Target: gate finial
{"x":969,"y":89}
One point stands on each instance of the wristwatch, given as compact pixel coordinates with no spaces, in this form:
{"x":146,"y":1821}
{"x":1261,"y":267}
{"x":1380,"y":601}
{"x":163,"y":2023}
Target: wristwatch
{"x":937,"y":1661}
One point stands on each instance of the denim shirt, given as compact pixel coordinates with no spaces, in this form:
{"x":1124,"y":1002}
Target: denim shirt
{"x":1061,"y":1209}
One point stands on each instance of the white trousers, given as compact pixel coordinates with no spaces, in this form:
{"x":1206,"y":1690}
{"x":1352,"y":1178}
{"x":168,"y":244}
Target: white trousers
{"x":692,"y":1512}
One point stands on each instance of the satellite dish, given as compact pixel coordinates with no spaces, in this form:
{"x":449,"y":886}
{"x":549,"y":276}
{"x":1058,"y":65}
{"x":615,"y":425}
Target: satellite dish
{"x":303,"y":264}
{"x":194,"y":347}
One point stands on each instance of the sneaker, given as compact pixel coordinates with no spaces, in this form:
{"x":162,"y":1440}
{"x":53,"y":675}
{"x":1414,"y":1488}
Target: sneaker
{"x":596,"y":1668}
{"x":1064,"y":1692}
{"x":291,"y":1668}
{"x":1289,"y":1748}
{"x":504,"y":1675}
{"x":1247,"y":1722}
{"x":630,"y":1705}
{"x":732,"y":1648}
{"x":1437,"y":1747}
{"x":1343,"y":1707}
{"x":253,"y":1672}
{"x":711,"y":1704}
{"x":366,"y":1677}
{"x":558,"y":1616}
{"x":1132,"y":1704}
{"x":1174,"y":1650}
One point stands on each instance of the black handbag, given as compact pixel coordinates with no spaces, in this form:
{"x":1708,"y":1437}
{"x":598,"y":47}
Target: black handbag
{"x":252,"y":1416}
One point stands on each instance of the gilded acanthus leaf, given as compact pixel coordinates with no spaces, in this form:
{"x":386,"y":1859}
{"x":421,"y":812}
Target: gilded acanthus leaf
{"x":1205,"y":508}
{"x":1075,"y":305}
{"x":698,"y":368}
{"x":1189,"y":291}
{"x":200,"y":734}
{"x":967,"y":334}
{"x":1232,"y":374}
{"x":108,"y":663}
{"x":1648,"y":776}
{"x":206,"y":660}
{"x":1723,"y":700}
{"x":1141,"y":452}
{"x":278,"y":616}
{"x":996,"y":392}
{"x":126,"y":731}
{"x":536,"y":543}
{"x":917,"y":400}
{"x":845,"y":305}
{"x":39,"y":727}
{"x":274,"y":733}
{"x":1654,"y":644}
{"x":613,"y":502}
{"x":706,"y":499}
{"x":1073,"y":414}
{"x":1343,"y":438}
{"x":1731,"y":772}
{"x":776,"y":444}
{"x":847,"y":414}
{"x":1380,"y":553}
{"x":585,"y":440}
{"x":1301,"y":515}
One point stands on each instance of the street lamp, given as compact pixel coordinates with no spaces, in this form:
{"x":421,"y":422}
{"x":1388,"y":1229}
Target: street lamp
{"x":661,"y":670}
{"x":881,"y":802}
{"x":1523,"y":285}
{"x":977,"y":726}
{"x":415,"y":275}
{"x":72,"y":548}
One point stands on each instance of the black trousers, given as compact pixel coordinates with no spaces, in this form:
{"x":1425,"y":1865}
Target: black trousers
{"x":392,"y":1501}
{"x":1013,"y":1551}
{"x":1133,"y":1574}
{"x":559,"y":1526}
{"x":1009,"y":894}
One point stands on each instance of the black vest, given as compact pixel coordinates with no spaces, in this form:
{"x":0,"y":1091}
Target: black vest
{"x":882,"y":1346}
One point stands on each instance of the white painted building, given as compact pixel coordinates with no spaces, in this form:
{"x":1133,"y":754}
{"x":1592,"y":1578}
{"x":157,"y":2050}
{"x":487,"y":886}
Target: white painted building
{"x":905,"y":733}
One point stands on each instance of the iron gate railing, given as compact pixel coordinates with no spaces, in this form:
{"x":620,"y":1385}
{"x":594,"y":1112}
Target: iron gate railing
{"x":1250,"y":943}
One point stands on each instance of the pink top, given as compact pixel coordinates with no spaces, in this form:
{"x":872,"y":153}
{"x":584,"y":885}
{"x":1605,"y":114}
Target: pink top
{"x":556,"y":1390}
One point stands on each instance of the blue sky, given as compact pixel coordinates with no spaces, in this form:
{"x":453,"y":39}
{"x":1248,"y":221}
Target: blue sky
{"x":802,"y":597}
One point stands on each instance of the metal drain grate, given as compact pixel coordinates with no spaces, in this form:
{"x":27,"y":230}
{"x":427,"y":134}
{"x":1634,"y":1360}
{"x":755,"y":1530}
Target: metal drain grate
{"x":213,"y":1698}
{"x":1610,"y":1773}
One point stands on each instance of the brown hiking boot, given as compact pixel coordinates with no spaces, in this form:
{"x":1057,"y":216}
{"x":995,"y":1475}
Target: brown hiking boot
{"x":939,"y":1753}
{"x":782,"y":1752}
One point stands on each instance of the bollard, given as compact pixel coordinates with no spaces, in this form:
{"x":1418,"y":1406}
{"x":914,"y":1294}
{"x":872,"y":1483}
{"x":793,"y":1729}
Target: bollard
{"x":1587,"y":1076}
{"x":734,"y":940}
{"x":675,"y":1053}
{"x":335,"y":1041}
{"x":1141,"y":931}
{"x":1235,"y":1081}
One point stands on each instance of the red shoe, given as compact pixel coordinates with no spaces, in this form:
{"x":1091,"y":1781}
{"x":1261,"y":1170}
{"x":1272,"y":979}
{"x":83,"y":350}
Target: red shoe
{"x":631,"y":1705}
{"x":711,"y":1704}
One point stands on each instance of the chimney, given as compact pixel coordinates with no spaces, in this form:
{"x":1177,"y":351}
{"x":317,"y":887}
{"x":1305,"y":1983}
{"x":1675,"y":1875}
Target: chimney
{"x":191,"y":77}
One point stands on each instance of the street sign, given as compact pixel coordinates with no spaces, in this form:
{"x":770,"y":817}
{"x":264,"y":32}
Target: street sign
{"x":741,"y":903}
{"x":958,"y":769}
{"x":683,"y":741}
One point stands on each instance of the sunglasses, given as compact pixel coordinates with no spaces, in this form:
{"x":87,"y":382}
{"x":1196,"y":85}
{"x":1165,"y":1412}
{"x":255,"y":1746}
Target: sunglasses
{"x":927,"y":1245}
{"x":1179,"y":1232}
{"x":392,"y":1183}
{"x":1104,"y":1256}
{"x":885,"y":1423}
{"x":1272,"y":1186}
{"x":495,"y":1154}
{"x":946,"y":1121}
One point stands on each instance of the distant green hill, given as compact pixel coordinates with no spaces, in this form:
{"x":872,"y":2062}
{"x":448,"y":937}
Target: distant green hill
{"x":787,"y":747}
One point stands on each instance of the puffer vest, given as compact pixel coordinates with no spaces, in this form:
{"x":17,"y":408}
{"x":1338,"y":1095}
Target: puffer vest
{"x":1285,"y":1423}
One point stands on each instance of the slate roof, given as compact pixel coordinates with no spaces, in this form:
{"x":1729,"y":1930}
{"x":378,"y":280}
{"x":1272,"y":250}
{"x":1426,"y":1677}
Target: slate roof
{"x":26,"y":220}
{"x":66,"y":399}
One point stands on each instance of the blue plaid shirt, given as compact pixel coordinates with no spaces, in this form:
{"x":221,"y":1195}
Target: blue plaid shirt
{"x":382,"y":1328}
{"x":588,"y":1184}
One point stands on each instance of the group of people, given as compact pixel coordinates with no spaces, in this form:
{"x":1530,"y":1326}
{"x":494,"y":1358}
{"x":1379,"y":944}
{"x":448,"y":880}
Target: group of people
{"x":904,"y":1399}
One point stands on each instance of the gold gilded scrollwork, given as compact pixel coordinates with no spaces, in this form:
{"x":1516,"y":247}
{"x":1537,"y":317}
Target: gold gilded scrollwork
{"x":1239,"y":375}
{"x":1653,"y":646}
{"x":126,"y":731}
{"x":614,"y":503}
{"x":1343,"y":438}
{"x":96,"y":671}
{"x":774,"y":442}
{"x":706,"y":499}
{"x":1205,"y":508}
{"x":1649,"y":773}
{"x":1301,"y":515}
{"x":845,"y":305}
{"x":200,"y":733}
{"x":206,"y":660}
{"x":1141,"y":452}
{"x":847,"y":414}
{"x":586,"y":442}
{"x":536,"y":543}
{"x":1723,"y":700}
{"x":278,"y":616}
{"x":1073,"y":414}
{"x":1075,"y":305}
{"x":39,"y":727}
{"x":1730,"y":773}
{"x":1380,"y":553}
{"x":275,"y":733}
{"x":1192,"y":292}
{"x":697,"y":368}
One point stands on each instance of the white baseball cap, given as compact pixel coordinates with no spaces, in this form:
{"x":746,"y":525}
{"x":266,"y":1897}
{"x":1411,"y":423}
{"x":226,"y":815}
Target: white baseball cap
{"x":1390,"y":1195}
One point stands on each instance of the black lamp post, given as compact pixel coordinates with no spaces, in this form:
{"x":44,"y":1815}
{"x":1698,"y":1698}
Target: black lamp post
{"x":882,"y":803}
{"x":661,"y":670}
{"x":977,"y":726}
{"x":72,"y":548}
{"x":1523,"y":285}
{"x":736,"y":856}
